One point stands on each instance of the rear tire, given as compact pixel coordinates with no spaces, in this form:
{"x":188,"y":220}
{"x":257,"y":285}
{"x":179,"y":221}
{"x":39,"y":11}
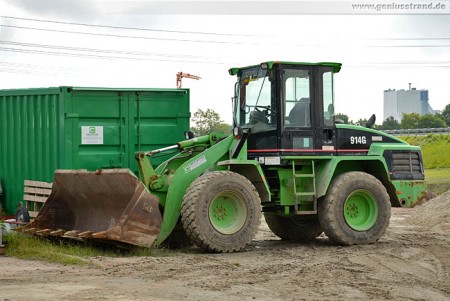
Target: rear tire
{"x":221,"y":211}
{"x":294,"y":228}
{"x":356,"y":209}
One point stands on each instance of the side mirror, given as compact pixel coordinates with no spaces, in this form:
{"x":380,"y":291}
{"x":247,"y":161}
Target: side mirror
{"x":188,"y":135}
{"x":371,"y":121}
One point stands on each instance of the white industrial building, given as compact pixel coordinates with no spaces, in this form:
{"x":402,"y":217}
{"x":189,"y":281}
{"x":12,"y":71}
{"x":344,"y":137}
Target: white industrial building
{"x":398,"y":102}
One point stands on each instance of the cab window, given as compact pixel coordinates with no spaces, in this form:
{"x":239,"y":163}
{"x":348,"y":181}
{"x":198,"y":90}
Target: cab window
{"x":297,"y":98}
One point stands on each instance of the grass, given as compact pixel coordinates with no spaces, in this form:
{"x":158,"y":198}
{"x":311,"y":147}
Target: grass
{"x":435,"y":150}
{"x":30,"y":247}
{"x":69,"y":252}
{"x":437,"y":175}
{"x":438,"y":180}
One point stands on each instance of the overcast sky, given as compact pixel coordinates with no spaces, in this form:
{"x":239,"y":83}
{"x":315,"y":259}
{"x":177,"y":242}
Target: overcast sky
{"x":143,"y":44}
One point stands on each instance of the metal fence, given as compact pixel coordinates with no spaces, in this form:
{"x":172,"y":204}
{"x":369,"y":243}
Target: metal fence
{"x":418,"y":132}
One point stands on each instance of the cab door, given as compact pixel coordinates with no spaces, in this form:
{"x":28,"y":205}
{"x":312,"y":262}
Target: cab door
{"x":297,"y":102}
{"x":307,"y":101}
{"x":324,"y":129}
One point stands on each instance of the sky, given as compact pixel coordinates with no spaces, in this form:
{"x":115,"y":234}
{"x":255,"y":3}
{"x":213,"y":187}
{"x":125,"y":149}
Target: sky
{"x":143,"y":44}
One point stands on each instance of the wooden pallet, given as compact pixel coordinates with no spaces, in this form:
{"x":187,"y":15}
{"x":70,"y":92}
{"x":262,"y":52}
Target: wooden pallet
{"x":36,"y":194}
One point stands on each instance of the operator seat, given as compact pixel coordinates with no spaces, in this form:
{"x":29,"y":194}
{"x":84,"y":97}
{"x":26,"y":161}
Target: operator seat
{"x":299,"y":115}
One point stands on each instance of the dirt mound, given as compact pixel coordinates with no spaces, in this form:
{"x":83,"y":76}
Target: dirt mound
{"x":434,"y":215}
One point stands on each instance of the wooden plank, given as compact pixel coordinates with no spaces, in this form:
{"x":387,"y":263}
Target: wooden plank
{"x":40,"y":191}
{"x":33,"y":214}
{"x":35,"y":198}
{"x":38,"y":184}
{"x":36,"y":194}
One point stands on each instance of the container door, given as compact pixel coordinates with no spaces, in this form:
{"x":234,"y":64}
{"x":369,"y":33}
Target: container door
{"x":159,"y":119}
{"x":98,"y":131}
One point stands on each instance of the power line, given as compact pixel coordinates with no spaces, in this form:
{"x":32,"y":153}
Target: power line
{"x":130,"y":28}
{"x":97,"y":56}
{"x":180,"y":56}
{"x":120,"y":36}
{"x":398,"y":67}
{"x":198,"y":32}
{"x":106,"y":51}
{"x":409,"y":39}
{"x":409,"y":46}
{"x":191,"y":40}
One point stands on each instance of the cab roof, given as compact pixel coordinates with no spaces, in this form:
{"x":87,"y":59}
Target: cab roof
{"x":336,"y":66}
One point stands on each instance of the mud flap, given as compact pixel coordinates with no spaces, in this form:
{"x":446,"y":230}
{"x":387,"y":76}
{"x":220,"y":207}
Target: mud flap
{"x":109,"y":205}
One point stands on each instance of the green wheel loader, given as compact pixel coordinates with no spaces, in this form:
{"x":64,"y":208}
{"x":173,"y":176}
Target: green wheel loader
{"x":288,"y":159}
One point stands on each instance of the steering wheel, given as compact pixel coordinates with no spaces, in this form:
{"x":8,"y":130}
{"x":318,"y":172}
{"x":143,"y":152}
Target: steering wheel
{"x":267,"y":110}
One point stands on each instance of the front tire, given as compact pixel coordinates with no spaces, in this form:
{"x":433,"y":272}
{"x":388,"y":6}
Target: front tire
{"x":221,"y":211}
{"x":355,"y":210}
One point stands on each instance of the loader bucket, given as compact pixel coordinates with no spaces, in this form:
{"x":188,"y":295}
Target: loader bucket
{"x":107,"y":205}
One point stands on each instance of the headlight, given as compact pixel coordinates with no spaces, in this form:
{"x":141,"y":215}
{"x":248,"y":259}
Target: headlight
{"x":237,"y":132}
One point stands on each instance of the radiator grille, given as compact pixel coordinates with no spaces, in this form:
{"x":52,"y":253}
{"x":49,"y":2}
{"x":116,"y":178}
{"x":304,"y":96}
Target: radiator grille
{"x":405,"y":164}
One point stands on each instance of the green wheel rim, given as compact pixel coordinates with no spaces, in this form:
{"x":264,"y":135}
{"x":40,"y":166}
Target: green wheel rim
{"x":360,"y":210}
{"x":227,"y":212}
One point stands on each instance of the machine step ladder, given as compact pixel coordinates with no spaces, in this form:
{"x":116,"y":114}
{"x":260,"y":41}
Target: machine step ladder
{"x":301,"y":195}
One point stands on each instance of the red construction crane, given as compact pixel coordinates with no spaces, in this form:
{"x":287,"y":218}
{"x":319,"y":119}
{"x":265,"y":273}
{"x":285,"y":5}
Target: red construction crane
{"x":180,"y":75}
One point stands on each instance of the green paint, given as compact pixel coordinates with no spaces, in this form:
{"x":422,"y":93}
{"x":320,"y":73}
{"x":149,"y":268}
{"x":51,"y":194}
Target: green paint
{"x":252,"y":170}
{"x":380,"y":148}
{"x":409,"y":192}
{"x":336,"y":66}
{"x":146,"y":171}
{"x":227,"y":212}
{"x":369,"y":130}
{"x":360,"y":210}
{"x":183,"y":177}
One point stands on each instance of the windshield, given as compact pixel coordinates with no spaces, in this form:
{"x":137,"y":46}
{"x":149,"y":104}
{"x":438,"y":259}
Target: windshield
{"x":253,"y":102}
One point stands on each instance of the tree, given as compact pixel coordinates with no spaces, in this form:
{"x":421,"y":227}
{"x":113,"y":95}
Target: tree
{"x":431,"y":121}
{"x":446,"y":114}
{"x":410,"y":121}
{"x":390,"y":123}
{"x":208,"y":121}
{"x":362,"y":121}
{"x":342,"y":117}
{"x":223,"y":127}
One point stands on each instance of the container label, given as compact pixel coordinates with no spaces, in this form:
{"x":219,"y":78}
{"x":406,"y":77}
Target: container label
{"x":91,"y":135}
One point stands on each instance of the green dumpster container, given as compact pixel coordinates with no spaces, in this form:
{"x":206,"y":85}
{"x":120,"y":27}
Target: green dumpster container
{"x":82,"y":128}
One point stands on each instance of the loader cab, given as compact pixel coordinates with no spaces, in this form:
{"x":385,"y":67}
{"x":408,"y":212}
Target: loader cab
{"x":287,"y":108}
